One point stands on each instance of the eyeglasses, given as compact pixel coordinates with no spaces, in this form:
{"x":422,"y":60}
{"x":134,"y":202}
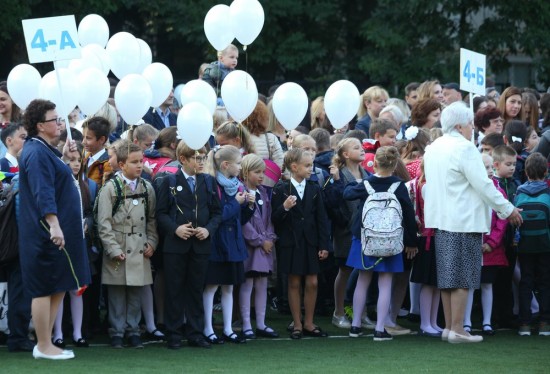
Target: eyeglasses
{"x":57,"y":120}
{"x":200,"y":159}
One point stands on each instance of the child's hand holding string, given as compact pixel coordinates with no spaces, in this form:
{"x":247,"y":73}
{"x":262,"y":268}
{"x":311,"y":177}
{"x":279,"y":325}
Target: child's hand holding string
{"x":334,"y":172}
{"x":290,"y":202}
{"x":240,"y":197}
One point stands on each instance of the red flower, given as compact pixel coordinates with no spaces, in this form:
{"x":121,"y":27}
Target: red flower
{"x":81,"y":290}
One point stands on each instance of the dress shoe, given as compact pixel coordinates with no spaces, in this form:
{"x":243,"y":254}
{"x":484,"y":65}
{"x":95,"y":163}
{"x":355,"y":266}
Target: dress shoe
{"x":116,"y":342}
{"x":430,"y":334}
{"x":445,"y":335}
{"x":267,"y":332}
{"x":200,"y":343}
{"x":214,"y":339}
{"x":174,"y":343}
{"x":135,"y":342}
{"x":81,"y":343}
{"x":59,"y":343}
{"x":234,"y":338}
{"x":397,"y":330}
{"x":64,"y":355}
{"x":248,"y":334}
{"x":455,"y":338}
{"x":25,"y":346}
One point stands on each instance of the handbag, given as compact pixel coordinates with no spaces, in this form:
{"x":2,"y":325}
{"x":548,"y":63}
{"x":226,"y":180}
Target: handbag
{"x":272,"y":170}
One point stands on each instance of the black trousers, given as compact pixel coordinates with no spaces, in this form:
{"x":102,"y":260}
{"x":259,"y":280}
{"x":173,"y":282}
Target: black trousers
{"x":185,"y":276}
{"x":19,"y":307}
{"x":535,"y":275}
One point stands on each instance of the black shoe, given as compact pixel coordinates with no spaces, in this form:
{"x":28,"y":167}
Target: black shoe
{"x":82,"y":343}
{"x":265,"y":333}
{"x":135,"y":342}
{"x":487,"y":330}
{"x":213,"y":339}
{"x":248,"y":334}
{"x":174,"y":343}
{"x":355,"y":332}
{"x":59,"y":343}
{"x":234,"y":338}
{"x":381,"y":336}
{"x":315,"y":333}
{"x":153,"y":335}
{"x":116,"y":342}
{"x":199,"y":342}
{"x":25,"y":346}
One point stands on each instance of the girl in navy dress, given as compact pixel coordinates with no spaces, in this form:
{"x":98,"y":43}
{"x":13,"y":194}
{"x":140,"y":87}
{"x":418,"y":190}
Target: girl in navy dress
{"x":302,"y":229}
{"x":225,"y":267}
{"x":259,"y":236}
{"x":385,"y":162}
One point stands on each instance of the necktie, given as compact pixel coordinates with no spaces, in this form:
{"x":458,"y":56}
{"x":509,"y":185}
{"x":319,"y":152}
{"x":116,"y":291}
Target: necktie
{"x":132,"y":185}
{"x":191,"y":182}
{"x":300,"y":189}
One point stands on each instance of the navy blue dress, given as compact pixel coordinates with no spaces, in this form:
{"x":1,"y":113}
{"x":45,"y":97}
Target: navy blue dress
{"x":47,"y":186}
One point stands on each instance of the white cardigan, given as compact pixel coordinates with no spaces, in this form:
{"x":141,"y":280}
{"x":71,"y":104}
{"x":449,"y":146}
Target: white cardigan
{"x":458,"y":192}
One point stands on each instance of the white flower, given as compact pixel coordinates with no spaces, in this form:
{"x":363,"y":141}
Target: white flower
{"x":411,"y":133}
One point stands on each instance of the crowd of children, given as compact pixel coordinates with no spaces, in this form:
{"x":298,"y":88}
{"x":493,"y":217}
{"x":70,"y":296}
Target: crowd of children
{"x":171,"y":230}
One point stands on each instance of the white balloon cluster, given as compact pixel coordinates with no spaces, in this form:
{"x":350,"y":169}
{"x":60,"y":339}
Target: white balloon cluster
{"x":243,"y":19}
{"x":143,"y":84}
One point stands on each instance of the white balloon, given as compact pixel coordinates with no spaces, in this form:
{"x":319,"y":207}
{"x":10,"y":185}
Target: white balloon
{"x":88,"y":59}
{"x":23,"y":84}
{"x":195,"y":124}
{"x":247,"y":20}
{"x":93,"y":29}
{"x":199,"y":91}
{"x":133,"y":97}
{"x":160,"y":79}
{"x":124,"y":53}
{"x":94,"y":89}
{"x":342,"y":100}
{"x":102,"y":55}
{"x":290,"y":104}
{"x":145,"y":56}
{"x":177,"y":95}
{"x":218,"y":27}
{"x":65,"y":99}
{"x":239,"y":94}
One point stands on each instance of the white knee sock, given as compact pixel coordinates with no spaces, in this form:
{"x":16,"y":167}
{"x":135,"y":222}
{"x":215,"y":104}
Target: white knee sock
{"x":227,"y":308}
{"x":384,"y":299}
{"x":468,"y":309}
{"x":260,"y":301}
{"x":426,"y":297}
{"x":487,"y":302}
{"x":245,"y":294}
{"x":208,"y":304}
{"x":147,"y":308}
{"x":360,"y":296}
{"x":77,"y":309}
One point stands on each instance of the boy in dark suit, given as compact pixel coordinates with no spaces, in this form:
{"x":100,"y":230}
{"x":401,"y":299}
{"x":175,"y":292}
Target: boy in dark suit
{"x":188,"y":214}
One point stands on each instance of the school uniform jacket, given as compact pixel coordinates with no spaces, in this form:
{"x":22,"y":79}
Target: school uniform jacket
{"x":304,"y":224}
{"x":99,"y":170}
{"x":201,"y":208}
{"x":126,"y":232}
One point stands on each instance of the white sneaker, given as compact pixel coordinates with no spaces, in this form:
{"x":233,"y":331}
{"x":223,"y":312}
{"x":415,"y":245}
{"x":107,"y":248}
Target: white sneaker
{"x":367,"y":323}
{"x":341,"y":322}
{"x":397,"y":330}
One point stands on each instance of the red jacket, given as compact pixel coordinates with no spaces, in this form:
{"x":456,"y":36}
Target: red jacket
{"x":497,"y":257}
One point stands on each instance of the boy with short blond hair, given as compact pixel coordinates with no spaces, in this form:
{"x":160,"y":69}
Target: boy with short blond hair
{"x":216,"y":72}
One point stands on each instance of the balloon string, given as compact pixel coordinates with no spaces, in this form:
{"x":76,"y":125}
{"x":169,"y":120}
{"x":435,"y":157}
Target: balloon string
{"x":219,"y":78}
{"x":246,"y":65}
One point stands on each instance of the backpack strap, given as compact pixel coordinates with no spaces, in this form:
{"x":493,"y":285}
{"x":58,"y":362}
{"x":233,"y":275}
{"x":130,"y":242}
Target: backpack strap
{"x":118,"y":193}
{"x":394,"y":187}
{"x":369,"y":188}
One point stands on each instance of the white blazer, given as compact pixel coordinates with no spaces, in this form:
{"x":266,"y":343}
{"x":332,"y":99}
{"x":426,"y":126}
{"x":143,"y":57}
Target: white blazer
{"x":458,"y":191}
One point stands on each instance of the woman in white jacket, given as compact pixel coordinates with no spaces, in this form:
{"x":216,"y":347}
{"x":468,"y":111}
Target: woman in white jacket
{"x":458,"y":200}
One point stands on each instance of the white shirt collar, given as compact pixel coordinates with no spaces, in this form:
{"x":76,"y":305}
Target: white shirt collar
{"x":187,"y":176}
{"x":296,"y":184}
{"x":12,"y":160}
{"x":95,"y":157}
{"x":128,"y":181}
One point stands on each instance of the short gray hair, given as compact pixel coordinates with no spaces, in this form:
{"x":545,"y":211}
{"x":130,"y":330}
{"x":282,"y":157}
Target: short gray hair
{"x":396,"y":113}
{"x":456,"y":113}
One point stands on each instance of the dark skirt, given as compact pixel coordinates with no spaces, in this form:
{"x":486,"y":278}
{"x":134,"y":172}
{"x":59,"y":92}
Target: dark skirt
{"x":489,"y":274}
{"x":424,"y":269}
{"x":296,"y":260}
{"x":225,"y":273}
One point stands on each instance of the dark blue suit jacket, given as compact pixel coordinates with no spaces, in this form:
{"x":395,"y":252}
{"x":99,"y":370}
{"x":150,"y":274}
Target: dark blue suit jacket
{"x":153,"y":119}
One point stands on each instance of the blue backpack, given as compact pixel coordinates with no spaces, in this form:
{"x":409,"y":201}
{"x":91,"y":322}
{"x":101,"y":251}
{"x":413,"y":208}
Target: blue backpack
{"x":535,"y":230}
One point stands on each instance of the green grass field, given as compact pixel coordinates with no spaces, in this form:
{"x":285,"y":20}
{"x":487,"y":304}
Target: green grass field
{"x":505,"y":352}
